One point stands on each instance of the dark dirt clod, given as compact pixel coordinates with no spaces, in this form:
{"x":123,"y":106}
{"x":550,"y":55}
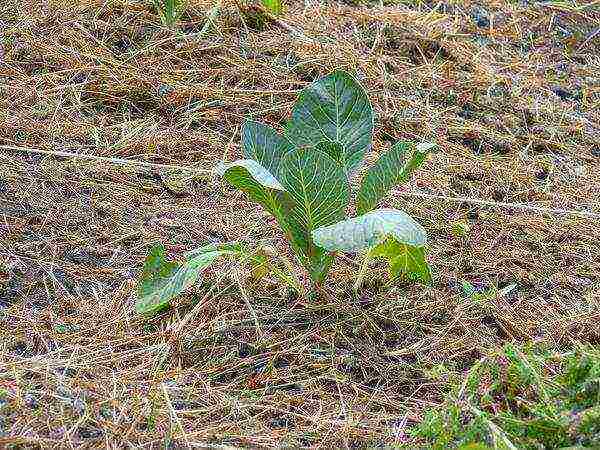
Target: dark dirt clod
{"x":562,"y":93}
{"x":89,"y":433}
{"x":541,"y":174}
{"x":481,"y":17}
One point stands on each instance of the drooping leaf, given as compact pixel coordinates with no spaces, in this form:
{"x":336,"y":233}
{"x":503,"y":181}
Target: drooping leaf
{"x":390,"y":170}
{"x":260,"y":185}
{"x":264,"y":145}
{"x":334,"y":108}
{"x":320,"y":193}
{"x":404,"y":259}
{"x":366,"y":231}
{"x":274,"y":6}
{"x":162,"y":280}
{"x":254,"y":170}
{"x":386,"y":233}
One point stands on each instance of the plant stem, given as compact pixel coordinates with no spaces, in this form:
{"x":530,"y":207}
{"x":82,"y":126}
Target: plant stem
{"x":362,"y":272}
{"x":290,"y":268}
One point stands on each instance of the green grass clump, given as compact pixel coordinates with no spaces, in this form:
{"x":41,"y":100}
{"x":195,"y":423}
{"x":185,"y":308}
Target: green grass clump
{"x":524,"y":399}
{"x":170,"y":11}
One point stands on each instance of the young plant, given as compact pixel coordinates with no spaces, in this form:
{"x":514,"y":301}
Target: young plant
{"x":273,"y":6}
{"x":302,"y":178}
{"x":169,"y":11}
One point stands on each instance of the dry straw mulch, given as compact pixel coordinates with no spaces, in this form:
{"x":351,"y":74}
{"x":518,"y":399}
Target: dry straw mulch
{"x":509,"y":90}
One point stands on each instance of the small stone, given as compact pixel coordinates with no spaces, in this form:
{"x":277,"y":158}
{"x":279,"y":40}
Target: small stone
{"x":30,"y":401}
{"x":165,"y":89}
{"x":562,"y":93}
{"x":472,"y":215}
{"x":595,"y":151}
{"x":89,"y":433}
{"x":244,"y":351}
{"x":481,"y":18}
{"x":498,"y":195}
{"x":78,"y":406}
{"x":563,"y":33}
{"x":279,"y":422}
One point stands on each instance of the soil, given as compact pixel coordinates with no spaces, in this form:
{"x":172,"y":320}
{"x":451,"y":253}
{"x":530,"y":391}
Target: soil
{"x":509,"y":90}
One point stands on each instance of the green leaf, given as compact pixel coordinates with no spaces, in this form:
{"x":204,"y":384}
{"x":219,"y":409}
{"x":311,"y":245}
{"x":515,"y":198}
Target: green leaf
{"x":390,"y":170}
{"x":320,"y":193}
{"x":474,"y":446}
{"x":262,"y":144}
{"x":332,"y":149}
{"x":468,"y":290}
{"x":335,"y":108}
{"x":260,"y":185}
{"x":162,"y":280}
{"x":386,"y":233}
{"x":404,"y":259}
{"x":170,"y":10}
{"x":260,"y":265}
{"x":274,"y":6}
{"x":368,"y":230}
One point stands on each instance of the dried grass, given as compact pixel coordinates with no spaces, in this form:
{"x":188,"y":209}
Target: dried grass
{"x":78,"y":368}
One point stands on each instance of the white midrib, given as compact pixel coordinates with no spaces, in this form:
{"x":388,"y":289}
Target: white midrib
{"x":337,"y":112}
{"x":306,"y":202}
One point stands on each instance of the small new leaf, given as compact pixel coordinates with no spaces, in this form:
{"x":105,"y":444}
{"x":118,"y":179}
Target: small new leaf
{"x":389,"y":171}
{"x":404,"y":259}
{"x":274,"y":6}
{"x":162,"y":280}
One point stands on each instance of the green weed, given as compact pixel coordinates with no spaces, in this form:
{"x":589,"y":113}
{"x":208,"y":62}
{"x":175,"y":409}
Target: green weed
{"x":522,"y":399}
{"x":170,"y":11}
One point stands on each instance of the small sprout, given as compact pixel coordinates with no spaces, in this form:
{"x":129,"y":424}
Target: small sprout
{"x":170,"y":11}
{"x":273,"y":6}
{"x":461,"y":229}
{"x":61,"y":328}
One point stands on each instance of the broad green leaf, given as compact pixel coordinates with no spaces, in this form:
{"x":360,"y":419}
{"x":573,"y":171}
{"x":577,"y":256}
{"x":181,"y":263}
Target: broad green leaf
{"x":366,"y":231}
{"x":390,"y":170}
{"x":262,"y":144}
{"x":260,"y":185}
{"x":320,"y":193}
{"x":274,"y":6}
{"x":162,"y":280}
{"x":404,"y":259}
{"x":333,"y":150}
{"x":334,"y":108}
